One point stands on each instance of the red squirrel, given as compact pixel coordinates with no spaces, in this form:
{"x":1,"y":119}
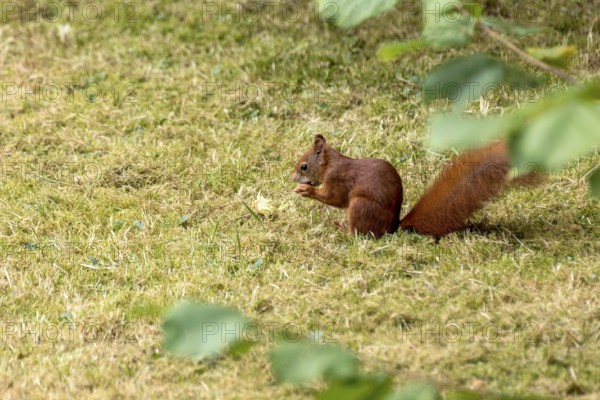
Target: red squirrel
{"x":371,"y":189}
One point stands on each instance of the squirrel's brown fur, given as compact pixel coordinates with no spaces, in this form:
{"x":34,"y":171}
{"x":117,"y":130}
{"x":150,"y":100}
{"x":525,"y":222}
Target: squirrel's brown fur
{"x":371,"y":189}
{"x":460,"y":190}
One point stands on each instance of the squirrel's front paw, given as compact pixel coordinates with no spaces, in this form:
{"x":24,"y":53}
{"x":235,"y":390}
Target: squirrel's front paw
{"x":304,"y":190}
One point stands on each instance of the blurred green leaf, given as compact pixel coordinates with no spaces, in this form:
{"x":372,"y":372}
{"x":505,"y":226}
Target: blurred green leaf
{"x":255,"y":266}
{"x":465,"y":79}
{"x":559,"y":56}
{"x":507,"y":27}
{"x":391,"y":51}
{"x":31,"y":246}
{"x":203,"y":331}
{"x":471,"y":395}
{"x":464,"y":395}
{"x":138,"y":224}
{"x":365,"y":387}
{"x":305,"y":362}
{"x":445,"y":25}
{"x":184,"y":220}
{"x":452,"y":130}
{"x":558,"y":136}
{"x":576,"y":94}
{"x":117,"y":225}
{"x":595,"y":183}
{"x":417,"y":391}
{"x":349,"y":13}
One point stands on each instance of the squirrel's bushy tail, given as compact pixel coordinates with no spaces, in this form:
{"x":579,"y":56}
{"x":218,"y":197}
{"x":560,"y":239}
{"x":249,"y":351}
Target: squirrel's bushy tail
{"x":461,"y":189}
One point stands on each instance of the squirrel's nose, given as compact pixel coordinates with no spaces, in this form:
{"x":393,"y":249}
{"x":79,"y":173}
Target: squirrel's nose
{"x":295,"y":177}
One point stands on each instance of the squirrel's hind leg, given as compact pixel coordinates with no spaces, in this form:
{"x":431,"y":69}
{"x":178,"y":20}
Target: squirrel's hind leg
{"x":366,"y":217}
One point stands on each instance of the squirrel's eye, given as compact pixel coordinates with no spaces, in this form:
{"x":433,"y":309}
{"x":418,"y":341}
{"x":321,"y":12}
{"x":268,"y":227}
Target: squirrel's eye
{"x":304,"y":167}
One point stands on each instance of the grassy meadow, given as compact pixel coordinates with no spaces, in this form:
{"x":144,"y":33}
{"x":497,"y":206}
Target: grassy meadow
{"x":146,"y":158}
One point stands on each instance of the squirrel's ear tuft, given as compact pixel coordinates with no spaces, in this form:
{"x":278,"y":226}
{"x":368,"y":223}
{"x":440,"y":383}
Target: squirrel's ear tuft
{"x":319,"y":137}
{"x":319,"y":143}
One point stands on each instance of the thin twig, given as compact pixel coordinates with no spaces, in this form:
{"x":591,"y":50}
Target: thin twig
{"x":526,"y":57}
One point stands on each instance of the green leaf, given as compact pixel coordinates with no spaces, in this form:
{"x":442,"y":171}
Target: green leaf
{"x":464,"y":395}
{"x":471,"y":395}
{"x":255,"y":266}
{"x":451,"y":130}
{"x":305,"y":362}
{"x":31,"y":246}
{"x":183,"y":221}
{"x":465,"y":79}
{"x":445,"y":25}
{"x":391,"y":51}
{"x":203,"y":331}
{"x":417,"y":391}
{"x":507,"y":27}
{"x":595,"y":183}
{"x":557,"y":136}
{"x":365,"y":387}
{"x":349,"y":13}
{"x":559,"y":56}
{"x":138,"y":224}
{"x":117,"y":225}
{"x":577,"y":94}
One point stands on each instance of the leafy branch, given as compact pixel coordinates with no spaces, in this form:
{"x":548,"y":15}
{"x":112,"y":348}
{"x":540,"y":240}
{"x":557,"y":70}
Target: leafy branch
{"x":545,"y":136}
{"x":526,"y":57}
{"x":206,"y":332}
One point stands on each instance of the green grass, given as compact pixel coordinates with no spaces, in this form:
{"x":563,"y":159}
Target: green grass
{"x":77,"y":176}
